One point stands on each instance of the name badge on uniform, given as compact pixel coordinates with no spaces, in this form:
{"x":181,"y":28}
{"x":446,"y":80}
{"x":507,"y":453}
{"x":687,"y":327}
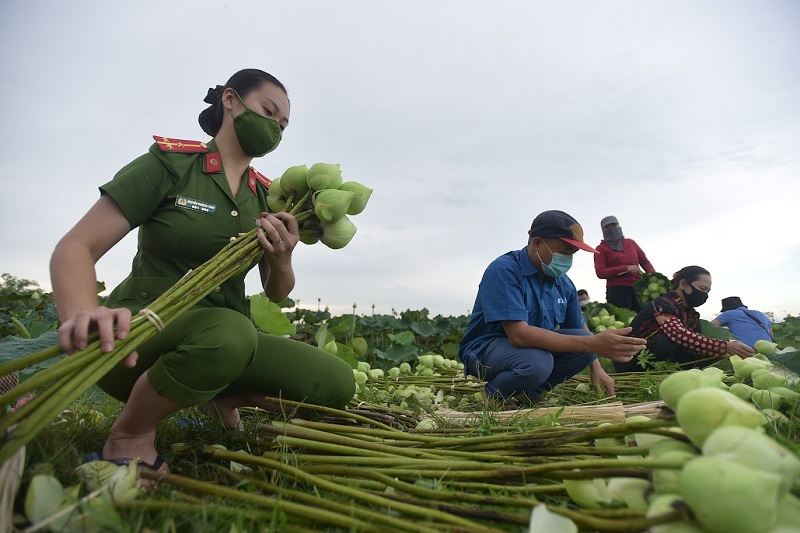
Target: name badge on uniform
{"x":195,"y":205}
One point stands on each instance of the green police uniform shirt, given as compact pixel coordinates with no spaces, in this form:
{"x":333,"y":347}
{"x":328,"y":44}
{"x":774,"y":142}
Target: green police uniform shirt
{"x":185,"y":211}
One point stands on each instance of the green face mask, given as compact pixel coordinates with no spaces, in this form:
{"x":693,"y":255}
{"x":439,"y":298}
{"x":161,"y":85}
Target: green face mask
{"x":257,"y":135}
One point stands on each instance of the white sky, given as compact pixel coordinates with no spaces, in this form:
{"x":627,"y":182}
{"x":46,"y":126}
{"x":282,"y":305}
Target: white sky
{"x":468,"y":118}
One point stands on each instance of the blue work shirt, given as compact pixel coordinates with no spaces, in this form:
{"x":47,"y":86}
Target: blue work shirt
{"x":744,"y":328}
{"x":512,"y":289}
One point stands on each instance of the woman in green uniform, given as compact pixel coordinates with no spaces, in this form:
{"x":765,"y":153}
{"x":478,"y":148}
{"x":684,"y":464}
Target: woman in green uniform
{"x":188,"y":200}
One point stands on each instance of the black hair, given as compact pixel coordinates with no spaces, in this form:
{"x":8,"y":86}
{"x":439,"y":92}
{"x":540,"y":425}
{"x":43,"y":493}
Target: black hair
{"x":690,"y":274}
{"x":582,"y":292}
{"x":243,"y":82}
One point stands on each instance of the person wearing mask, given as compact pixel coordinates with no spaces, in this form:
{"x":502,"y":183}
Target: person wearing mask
{"x":671,"y":325}
{"x":583,"y":298}
{"x":211,"y":356}
{"x":526,"y":333}
{"x":620,"y":261}
{"x":748,"y":326}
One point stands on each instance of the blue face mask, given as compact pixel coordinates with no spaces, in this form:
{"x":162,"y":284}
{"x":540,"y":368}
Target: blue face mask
{"x":558,"y":266}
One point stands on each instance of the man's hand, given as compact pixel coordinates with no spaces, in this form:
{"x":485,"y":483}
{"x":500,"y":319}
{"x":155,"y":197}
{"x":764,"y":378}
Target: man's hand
{"x":635,"y":270}
{"x":740,"y":349}
{"x":613,"y":344}
{"x":600,"y":379}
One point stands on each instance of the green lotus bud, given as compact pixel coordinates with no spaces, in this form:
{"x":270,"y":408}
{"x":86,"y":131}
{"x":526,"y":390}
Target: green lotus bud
{"x":725,"y":496}
{"x":324,"y":176}
{"x":743,"y":368}
{"x":405,"y":368}
{"x":360,"y":377}
{"x":331,"y":204}
{"x":375,"y":374}
{"x":95,"y":474}
{"x":294,"y":181}
{"x":751,"y":447}
{"x":394,"y":372}
{"x":665,"y":480}
{"x":765,"y":347}
{"x":657,"y":450}
{"x":742,"y":391}
{"x":589,"y":493}
{"x":608,"y":442}
{"x":774,"y":416}
{"x":331,"y":347}
{"x":765,"y":378}
{"x":359,"y":346}
{"x":789,"y":396}
{"x":426,"y":360}
{"x":702,"y":411}
{"x":361,"y":194}
{"x":676,"y":385}
{"x":631,"y":490}
{"x":337,"y":234}
{"x":765,"y":399}
{"x":310,"y":231}
{"x":788,"y":514}
{"x":363,"y":366}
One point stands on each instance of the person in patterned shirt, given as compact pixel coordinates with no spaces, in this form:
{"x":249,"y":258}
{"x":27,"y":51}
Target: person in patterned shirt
{"x":671,"y":325}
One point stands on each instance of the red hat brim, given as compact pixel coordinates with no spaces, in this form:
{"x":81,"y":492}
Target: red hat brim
{"x":579,"y":244}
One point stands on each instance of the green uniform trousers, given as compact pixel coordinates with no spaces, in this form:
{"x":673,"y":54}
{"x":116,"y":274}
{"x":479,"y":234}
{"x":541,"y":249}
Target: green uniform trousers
{"x":217,"y":352}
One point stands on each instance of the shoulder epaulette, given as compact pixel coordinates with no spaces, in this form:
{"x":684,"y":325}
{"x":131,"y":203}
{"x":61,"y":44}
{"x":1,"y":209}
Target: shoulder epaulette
{"x":254,"y":176}
{"x":167,"y":144}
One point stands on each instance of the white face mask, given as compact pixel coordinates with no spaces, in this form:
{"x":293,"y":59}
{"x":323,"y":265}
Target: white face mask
{"x":584,"y":302}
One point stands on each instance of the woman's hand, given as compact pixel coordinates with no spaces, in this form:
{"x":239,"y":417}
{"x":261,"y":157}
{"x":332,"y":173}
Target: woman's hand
{"x":615,"y":345}
{"x":740,"y":349}
{"x":279,"y":234}
{"x":635,"y":270}
{"x":110,"y":324}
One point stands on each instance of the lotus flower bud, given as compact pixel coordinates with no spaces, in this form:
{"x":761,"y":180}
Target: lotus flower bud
{"x":742,"y":391}
{"x":765,"y":399}
{"x":337,"y":234}
{"x":331,"y":204}
{"x":788,"y":514}
{"x":661,"y":447}
{"x":331,"y":348}
{"x":124,"y":484}
{"x":95,"y":474}
{"x":765,"y":347}
{"x":360,"y":377}
{"x":725,"y":496}
{"x":743,"y":368}
{"x":589,"y":493}
{"x":765,"y":378}
{"x":702,"y":411}
{"x":375,"y":374}
{"x":294,"y":180}
{"x":676,"y":385}
{"x":667,"y":503}
{"x":774,"y":416}
{"x":44,"y":497}
{"x":751,"y":447}
{"x":789,"y":396}
{"x":324,"y":176}
{"x":361,"y":194}
{"x":630,"y":490}
{"x":665,"y":480}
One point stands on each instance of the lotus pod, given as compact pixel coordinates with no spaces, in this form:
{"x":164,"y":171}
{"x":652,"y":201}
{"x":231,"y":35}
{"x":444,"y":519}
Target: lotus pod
{"x":765,"y":347}
{"x":725,"y":496}
{"x":702,"y":411}
{"x":676,"y":385}
{"x":294,"y":181}
{"x":630,"y":490}
{"x":331,"y":204}
{"x":765,"y":399}
{"x":742,"y":391}
{"x":324,"y":176}
{"x":751,"y":447}
{"x":361,"y":194}
{"x":765,"y":378}
{"x":337,"y":234}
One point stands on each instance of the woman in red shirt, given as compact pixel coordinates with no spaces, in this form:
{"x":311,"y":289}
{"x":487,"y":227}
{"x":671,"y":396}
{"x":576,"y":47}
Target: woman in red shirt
{"x":618,"y":262}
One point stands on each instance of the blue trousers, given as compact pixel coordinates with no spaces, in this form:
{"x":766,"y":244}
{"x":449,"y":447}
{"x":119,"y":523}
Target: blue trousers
{"x":509,"y":371}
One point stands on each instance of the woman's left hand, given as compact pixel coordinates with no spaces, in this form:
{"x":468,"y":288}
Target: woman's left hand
{"x":279,"y":233}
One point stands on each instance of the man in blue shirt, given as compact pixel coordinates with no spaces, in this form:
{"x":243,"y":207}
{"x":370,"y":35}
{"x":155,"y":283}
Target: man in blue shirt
{"x":748,"y":326}
{"x":526,"y":333}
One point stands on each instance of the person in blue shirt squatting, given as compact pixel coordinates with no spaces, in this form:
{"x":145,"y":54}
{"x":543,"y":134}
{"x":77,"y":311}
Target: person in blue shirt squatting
{"x":526,"y":333}
{"x":748,"y":326}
